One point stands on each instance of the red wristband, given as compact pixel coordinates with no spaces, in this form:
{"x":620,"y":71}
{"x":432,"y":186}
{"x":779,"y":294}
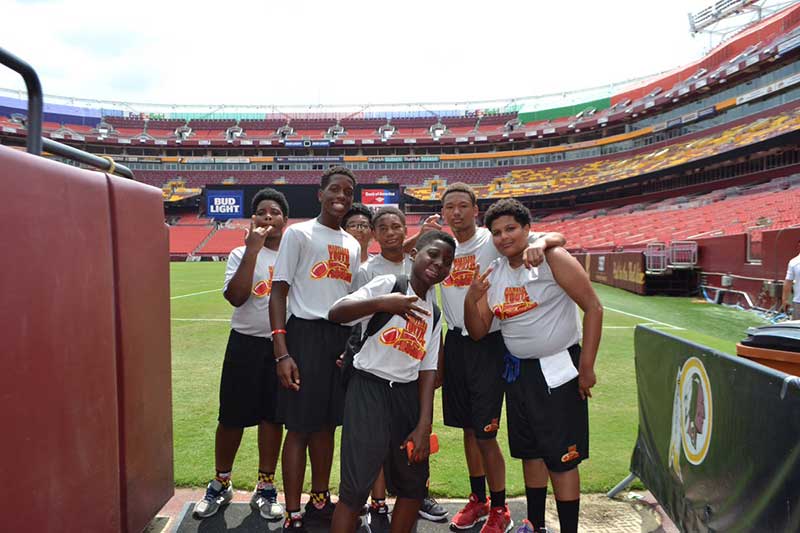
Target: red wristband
{"x":276,"y":331}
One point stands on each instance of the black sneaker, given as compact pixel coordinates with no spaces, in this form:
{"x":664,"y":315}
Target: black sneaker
{"x":432,"y":510}
{"x":294,"y":525}
{"x":319,"y":516}
{"x":378,"y":519}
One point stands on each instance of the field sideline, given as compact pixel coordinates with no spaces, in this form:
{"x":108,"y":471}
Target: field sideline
{"x":200,"y":325}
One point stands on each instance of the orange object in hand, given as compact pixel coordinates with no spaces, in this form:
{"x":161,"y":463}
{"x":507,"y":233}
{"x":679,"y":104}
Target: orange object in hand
{"x":434,"y":446}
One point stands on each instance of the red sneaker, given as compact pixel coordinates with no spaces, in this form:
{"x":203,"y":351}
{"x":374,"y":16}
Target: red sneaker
{"x":499,"y":521}
{"x":471,"y":514}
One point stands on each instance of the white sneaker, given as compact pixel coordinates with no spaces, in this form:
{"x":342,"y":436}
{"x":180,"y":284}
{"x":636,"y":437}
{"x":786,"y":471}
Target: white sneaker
{"x":216,"y":496}
{"x":265,"y":501}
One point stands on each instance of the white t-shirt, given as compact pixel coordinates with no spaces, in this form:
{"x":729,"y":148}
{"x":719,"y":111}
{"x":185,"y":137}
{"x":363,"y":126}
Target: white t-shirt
{"x":252,"y":317}
{"x":319,"y":264}
{"x":479,"y":249}
{"x":402,"y":348}
{"x":377,"y":265}
{"x":537,"y":318}
{"x":793,"y":275}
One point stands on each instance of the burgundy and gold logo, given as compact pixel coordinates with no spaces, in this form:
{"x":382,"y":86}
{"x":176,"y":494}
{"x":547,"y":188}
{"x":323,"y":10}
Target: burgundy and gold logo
{"x":336,"y":267}
{"x":462,"y":272}
{"x":264,"y":287}
{"x":516,"y":303}
{"x":410,"y":340}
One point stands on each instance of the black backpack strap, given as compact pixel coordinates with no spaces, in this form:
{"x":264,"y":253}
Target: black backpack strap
{"x":379,"y":320}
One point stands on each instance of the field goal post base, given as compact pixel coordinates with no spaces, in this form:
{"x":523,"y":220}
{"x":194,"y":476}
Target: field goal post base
{"x":622,"y":485}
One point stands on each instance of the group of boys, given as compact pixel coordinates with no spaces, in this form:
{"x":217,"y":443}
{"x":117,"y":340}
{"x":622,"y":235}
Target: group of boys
{"x":281,"y":372}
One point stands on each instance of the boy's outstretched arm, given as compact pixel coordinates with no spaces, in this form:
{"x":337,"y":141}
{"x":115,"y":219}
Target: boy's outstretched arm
{"x":288,"y":373}
{"x":349,"y":309}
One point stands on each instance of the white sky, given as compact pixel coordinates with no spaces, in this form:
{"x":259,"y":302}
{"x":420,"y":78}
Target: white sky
{"x":341,"y":52}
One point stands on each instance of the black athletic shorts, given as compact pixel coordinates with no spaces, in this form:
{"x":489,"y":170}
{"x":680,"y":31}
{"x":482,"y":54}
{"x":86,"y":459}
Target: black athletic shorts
{"x":315,"y":345}
{"x":377,"y":419}
{"x":544,"y":423}
{"x":472,"y":392}
{"x":248,"y":388}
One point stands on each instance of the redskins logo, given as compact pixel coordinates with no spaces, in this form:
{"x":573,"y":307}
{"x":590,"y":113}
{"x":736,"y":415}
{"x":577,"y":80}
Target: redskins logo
{"x":264,"y":287}
{"x":337,"y":267}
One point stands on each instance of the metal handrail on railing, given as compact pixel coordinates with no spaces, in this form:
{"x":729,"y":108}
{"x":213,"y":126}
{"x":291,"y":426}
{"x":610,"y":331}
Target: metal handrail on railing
{"x":35,"y":99}
{"x":35,"y":141}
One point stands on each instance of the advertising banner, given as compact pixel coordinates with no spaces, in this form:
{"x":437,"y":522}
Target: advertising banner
{"x":624,"y":270}
{"x":376,"y":198}
{"x":225,"y":204}
{"x":718,"y":437}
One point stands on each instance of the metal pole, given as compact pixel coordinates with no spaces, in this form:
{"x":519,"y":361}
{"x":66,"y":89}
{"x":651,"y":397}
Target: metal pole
{"x":622,"y":485}
{"x":86,"y":158}
{"x":34,"y":140}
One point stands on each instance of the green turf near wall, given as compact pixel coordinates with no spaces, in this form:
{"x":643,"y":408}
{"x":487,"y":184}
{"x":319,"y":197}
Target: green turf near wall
{"x":566,"y":111}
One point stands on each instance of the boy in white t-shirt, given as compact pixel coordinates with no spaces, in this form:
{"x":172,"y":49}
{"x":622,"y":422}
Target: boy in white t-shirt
{"x":249,"y":384}
{"x":316,"y":264}
{"x":389,"y":401}
{"x":549,"y":375}
{"x":389,"y":230}
{"x":358,"y":223}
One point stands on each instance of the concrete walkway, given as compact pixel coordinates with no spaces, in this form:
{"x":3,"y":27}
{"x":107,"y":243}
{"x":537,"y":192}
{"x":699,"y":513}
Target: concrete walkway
{"x":630,"y":512}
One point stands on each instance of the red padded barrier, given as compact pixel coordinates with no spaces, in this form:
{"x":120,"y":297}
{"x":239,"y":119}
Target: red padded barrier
{"x":59,"y":449}
{"x":85,"y":366}
{"x":141,"y":254}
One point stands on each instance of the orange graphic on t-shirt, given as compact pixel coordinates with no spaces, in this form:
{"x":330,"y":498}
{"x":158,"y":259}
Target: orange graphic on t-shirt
{"x":462,"y":272}
{"x":337,"y":267}
{"x":264,"y":287}
{"x":410,"y":340}
{"x":516,"y":302}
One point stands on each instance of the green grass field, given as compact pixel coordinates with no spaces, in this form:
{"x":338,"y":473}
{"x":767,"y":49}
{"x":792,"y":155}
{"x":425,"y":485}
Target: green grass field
{"x":200,"y":325}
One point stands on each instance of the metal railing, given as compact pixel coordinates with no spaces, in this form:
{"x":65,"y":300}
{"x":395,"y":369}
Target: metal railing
{"x":34,"y":141}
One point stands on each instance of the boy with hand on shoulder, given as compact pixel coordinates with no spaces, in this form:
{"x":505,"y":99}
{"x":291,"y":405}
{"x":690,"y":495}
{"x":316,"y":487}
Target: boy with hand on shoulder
{"x":549,"y":374}
{"x":389,"y":399}
{"x":248,"y":389}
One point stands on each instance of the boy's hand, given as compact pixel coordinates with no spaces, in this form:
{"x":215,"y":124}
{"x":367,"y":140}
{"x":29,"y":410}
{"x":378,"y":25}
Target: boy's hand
{"x":340,"y":361}
{"x":421,"y":442}
{"x":288,"y":374}
{"x":432,"y":223}
{"x":255,"y":237}
{"x":534,"y":253}
{"x":402,"y":305}
{"x":479,"y":284}
{"x":586,"y":380}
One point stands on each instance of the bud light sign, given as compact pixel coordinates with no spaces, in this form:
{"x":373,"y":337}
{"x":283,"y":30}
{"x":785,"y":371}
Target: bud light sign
{"x":224,"y":204}
{"x":376,"y":198}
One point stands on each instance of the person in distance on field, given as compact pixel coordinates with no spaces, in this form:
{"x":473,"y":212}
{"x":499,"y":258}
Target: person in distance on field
{"x":249,"y":385}
{"x":549,"y":375}
{"x":791,"y":306}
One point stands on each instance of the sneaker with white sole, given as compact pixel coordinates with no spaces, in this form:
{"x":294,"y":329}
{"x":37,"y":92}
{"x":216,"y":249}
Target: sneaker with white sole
{"x":432,"y":510}
{"x":216,"y":496}
{"x":265,"y":501}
